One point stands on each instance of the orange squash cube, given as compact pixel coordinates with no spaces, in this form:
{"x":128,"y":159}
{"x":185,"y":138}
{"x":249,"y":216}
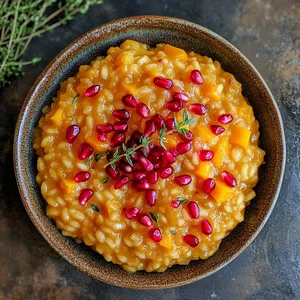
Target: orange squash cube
{"x":203,"y":169}
{"x":221,"y":152}
{"x":221,"y":192}
{"x":69,"y":186}
{"x":96,"y":144}
{"x":209,"y":89}
{"x":58,"y":117}
{"x":166,"y":240}
{"x":125,"y":58}
{"x":128,"y":87}
{"x":175,"y":53}
{"x":240,"y":136}
{"x":205,"y":134}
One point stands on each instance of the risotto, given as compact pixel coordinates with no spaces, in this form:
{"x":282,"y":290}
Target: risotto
{"x":149,"y":156}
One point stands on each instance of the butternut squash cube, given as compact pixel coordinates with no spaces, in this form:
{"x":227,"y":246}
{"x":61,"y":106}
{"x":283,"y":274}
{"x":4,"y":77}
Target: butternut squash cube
{"x":209,"y":89}
{"x":175,"y":53}
{"x":205,"y":134}
{"x":203,"y":169}
{"x":222,"y":192}
{"x":96,"y":144}
{"x":128,"y":87}
{"x":125,"y":58}
{"x":240,"y":136}
{"x":58,"y":116}
{"x":221,"y":152}
{"x":69,"y":186}
{"x":166,"y":240}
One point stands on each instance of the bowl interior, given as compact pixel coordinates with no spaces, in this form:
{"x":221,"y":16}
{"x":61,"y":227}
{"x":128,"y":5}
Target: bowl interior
{"x":151,"y":30}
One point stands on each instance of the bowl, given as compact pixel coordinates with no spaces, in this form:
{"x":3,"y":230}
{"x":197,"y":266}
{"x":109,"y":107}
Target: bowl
{"x":151,"y":30}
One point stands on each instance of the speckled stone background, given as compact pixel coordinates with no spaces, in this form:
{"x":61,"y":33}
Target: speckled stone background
{"x":268,"y":33}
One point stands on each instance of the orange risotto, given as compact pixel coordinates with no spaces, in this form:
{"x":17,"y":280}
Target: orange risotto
{"x":149,"y":156}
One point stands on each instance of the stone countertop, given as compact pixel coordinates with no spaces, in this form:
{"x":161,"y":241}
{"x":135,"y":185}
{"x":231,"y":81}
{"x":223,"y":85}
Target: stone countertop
{"x":268,"y":33}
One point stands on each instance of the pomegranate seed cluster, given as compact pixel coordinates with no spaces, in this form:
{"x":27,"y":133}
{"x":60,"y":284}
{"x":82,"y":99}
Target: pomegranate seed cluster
{"x":148,"y":155}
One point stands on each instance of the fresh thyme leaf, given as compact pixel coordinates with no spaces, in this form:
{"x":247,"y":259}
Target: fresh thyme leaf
{"x":75,"y":98}
{"x":128,"y":158}
{"x":161,"y":142}
{"x":105,"y":180}
{"x":113,"y":165}
{"x":144,"y":151}
{"x":88,"y":160}
{"x":182,"y":200}
{"x":124,"y":147}
{"x":155,"y":217}
{"x":116,"y":153}
{"x":173,"y":231}
{"x":192,"y":120}
{"x":99,"y":155}
{"x":175,"y":122}
{"x":95,"y":207}
{"x":185,"y":116}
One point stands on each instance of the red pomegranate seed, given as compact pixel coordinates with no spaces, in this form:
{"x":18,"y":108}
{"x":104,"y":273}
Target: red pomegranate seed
{"x":168,"y":157}
{"x":151,"y":196}
{"x":158,"y":121}
{"x":170,"y":124}
{"x":82,"y":176}
{"x":216,"y":129}
{"x":196,"y":77}
{"x":130,"y":101}
{"x":139,"y":176}
{"x":150,"y":128}
{"x":155,"y":157}
{"x":206,"y":228}
{"x":183,"y":147}
{"x":121,"y":114}
{"x":175,"y":105}
{"x":113,"y":173}
{"x":142,"y":185}
{"x":143,"y":110}
{"x":166,"y":171}
{"x":163,"y":82}
{"x":155,"y":234}
{"x":193,"y":210}
{"x":71,"y":133}
{"x":120,"y":126}
{"x":121,"y":181}
{"x":225,"y":118}
{"x":158,"y":148}
{"x":92,"y":90}
{"x":85,"y":151}
{"x":152,"y":177}
{"x":208,"y":185}
{"x":146,"y":163}
{"x":104,"y":128}
{"x":174,"y":152}
{"x":145,"y":220}
{"x":136,"y":136}
{"x":85,"y":196}
{"x":183,"y":179}
{"x":198,"y":109}
{"x":187,"y":137}
{"x":229,"y":179}
{"x":206,"y":155}
{"x":157,"y":166}
{"x":132,"y":213}
{"x":117,"y":139}
{"x":125,"y":167}
{"x":101,"y":137}
{"x":175,"y":203}
{"x":181,"y":96}
{"x":191,"y":240}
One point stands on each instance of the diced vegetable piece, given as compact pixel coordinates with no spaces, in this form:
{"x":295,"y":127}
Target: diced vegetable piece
{"x":175,"y":53}
{"x":125,"y":58}
{"x":221,"y":192}
{"x":58,"y":117}
{"x":97,"y":145}
{"x":221,"y":152}
{"x":240,"y":136}
{"x":203,"y":169}
{"x":128,"y":87}
{"x":172,"y":141}
{"x":69,"y":186}
{"x":209,"y":89}
{"x":205,"y":134}
{"x":166,"y":240}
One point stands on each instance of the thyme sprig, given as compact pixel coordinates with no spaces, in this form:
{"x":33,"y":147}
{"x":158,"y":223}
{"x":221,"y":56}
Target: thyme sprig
{"x":145,"y":141}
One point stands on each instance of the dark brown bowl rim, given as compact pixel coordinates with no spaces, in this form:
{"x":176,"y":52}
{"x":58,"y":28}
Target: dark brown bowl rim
{"x":17,"y":155}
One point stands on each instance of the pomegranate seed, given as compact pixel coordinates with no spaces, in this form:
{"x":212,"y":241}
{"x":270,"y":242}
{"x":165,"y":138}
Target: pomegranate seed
{"x":146,"y":163}
{"x":152,"y":177}
{"x":82,"y":176}
{"x":85,"y":196}
{"x":121,"y":114}
{"x":229,"y":179}
{"x":113,"y":173}
{"x":174,"y":152}
{"x":206,"y":228}
{"x":151,"y":196}
{"x":132,"y":212}
{"x":216,"y":129}
{"x":143,"y":110}
{"x":85,"y":151}
{"x":183,"y":179}
{"x":198,"y":109}
{"x":139,"y":176}
{"x":208,"y":185}
{"x":125,"y":167}
{"x":193,"y":210}
{"x":117,"y":139}
{"x":101,"y":137}
{"x":174,"y":105}
{"x":104,"y":128}
{"x":120,"y":126}
{"x":168,"y":157}
{"x":71,"y":133}
{"x":196,"y":77}
{"x":136,"y":136}
{"x":181,"y":96}
{"x":155,"y":234}
{"x":191,"y":240}
{"x":145,"y":220}
{"x":130,"y":101}
{"x":163,"y":82}
{"x":142,"y":185}
{"x":206,"y":155}
{"x":158,"y":121}
{"x":166,"y":171}
{"x":187,"y":137}
{"x":121,"y":181}
{"x":155,"y":157}
{"x":158,"y":149}
{"x":157,"y":166}
{"x":170,"y":124}
{"x":175,"y":203}
{"x":150,"y":128}
{"x":183,"y":147}
{"x":225,"y":119}
{"x":92,"y":91}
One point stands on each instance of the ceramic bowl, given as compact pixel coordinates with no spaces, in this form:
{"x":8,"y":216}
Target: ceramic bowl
{"x":151,"y":30}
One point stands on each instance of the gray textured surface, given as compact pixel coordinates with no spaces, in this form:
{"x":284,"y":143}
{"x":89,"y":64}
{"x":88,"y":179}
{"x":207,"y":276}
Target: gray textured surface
{"x":268,"y":33}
